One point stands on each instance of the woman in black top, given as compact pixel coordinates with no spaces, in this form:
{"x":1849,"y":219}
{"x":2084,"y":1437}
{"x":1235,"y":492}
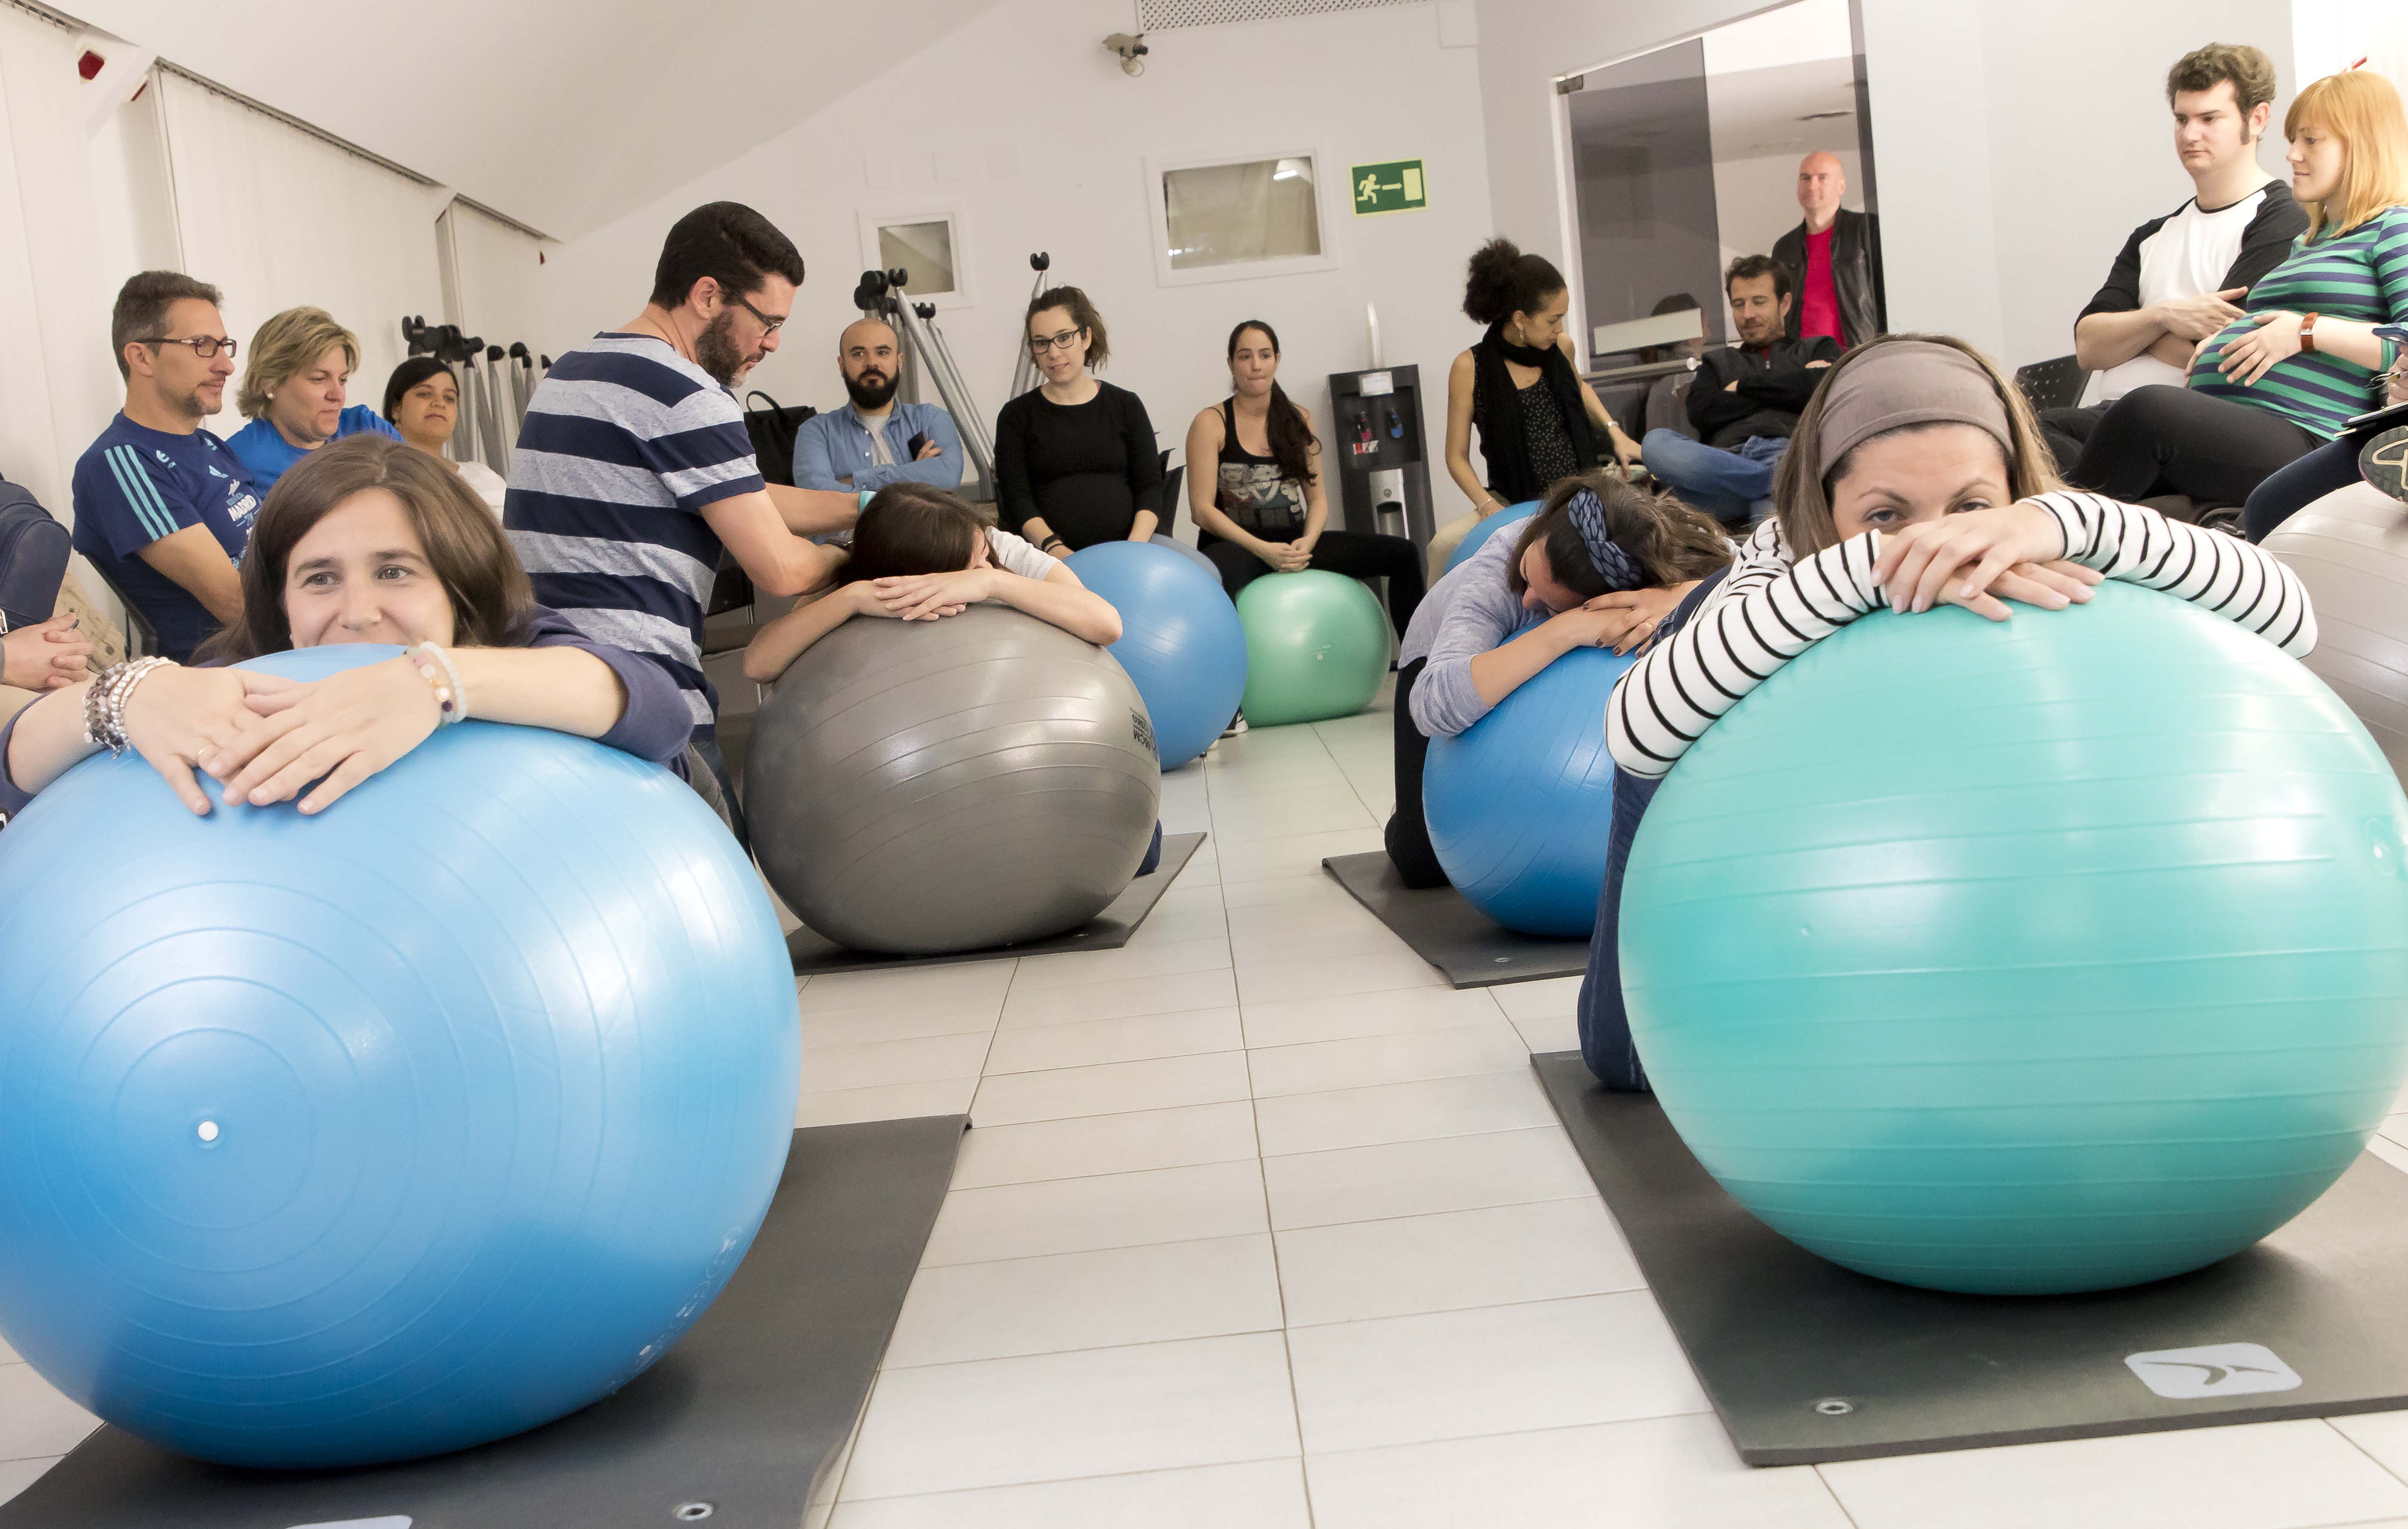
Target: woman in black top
{"x":1075,"y":461}
{"x":1538,"y":422}
{"x":1257,"y":498}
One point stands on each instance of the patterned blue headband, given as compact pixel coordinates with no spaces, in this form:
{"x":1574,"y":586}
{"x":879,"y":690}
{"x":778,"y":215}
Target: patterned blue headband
{"x":1621,"y":569}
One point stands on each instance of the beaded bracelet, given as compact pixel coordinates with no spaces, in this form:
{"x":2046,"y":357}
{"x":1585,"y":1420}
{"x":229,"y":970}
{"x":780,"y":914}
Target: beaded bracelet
{"x":103,"y":702}
{"x":449,"y":694}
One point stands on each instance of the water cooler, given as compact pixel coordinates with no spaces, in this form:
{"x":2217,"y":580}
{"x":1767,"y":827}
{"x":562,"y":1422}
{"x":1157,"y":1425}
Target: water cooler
{"x":1382,"y":452}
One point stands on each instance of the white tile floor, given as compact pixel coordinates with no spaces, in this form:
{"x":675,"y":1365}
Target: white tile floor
{"x":1260,"y":1226}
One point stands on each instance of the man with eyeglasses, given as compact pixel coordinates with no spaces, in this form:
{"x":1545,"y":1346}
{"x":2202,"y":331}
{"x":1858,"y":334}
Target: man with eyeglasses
{"x":633,"y":472}
{"x":161,"y":507}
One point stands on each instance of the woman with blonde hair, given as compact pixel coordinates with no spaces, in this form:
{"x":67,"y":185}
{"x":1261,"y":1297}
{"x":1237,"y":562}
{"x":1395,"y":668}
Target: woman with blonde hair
{"x":2289,"y":375}
{"x":292,"y":393}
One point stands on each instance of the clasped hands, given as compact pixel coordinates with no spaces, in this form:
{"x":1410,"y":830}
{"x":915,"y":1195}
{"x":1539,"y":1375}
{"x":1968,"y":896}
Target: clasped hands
{"x":1979,"y":559}
{"x":265,"y":738}
{"x":922,"y":597}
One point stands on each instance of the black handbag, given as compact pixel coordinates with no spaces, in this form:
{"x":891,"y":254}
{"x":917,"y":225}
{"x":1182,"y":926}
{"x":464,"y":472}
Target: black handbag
{"x":772,"y":429}
{"x":33,"y":550}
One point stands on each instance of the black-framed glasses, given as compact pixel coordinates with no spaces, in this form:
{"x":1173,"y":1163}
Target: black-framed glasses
{"x":1039,"y":344}
{"x":768,"y":324}
{"x":205,"y":346}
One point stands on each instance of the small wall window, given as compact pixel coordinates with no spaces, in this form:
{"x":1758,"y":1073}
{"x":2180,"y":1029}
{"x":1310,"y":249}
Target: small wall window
{"x":927,"y":244}
{"x":1230,"y":219}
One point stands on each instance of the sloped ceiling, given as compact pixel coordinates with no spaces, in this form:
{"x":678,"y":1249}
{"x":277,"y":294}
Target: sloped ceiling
{"x":561,"y":113}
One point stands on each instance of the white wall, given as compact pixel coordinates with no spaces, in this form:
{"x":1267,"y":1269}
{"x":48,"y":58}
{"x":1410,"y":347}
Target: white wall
{"x":2011,"y":163}
{"x":1027,"y":129}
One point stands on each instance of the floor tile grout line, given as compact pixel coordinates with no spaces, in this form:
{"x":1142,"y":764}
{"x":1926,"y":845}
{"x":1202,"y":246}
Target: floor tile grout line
{"x":1279,"y":1288}
{"x":1070,"y":1480}
{"x":1460,"y":1210}
{"x":1107,"y":1247}
{"x":2368,"y":1454}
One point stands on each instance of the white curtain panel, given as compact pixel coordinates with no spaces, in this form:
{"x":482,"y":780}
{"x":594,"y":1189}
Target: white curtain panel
{"x":500,"y":272}
{"x":58,"y":386}
{"x":276,"y":219}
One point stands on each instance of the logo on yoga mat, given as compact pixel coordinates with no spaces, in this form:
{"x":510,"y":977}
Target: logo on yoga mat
{"x":2219,"y":1369}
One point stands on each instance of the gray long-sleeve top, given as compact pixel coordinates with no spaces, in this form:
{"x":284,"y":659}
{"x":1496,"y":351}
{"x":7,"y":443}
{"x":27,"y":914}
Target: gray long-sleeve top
{"x":1470,"y":612}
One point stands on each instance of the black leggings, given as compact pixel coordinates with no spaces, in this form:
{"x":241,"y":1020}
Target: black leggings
{"x":2330,"y":467}
{"x":1408,"y":835}
{"x":2160,"y":439}
{"x":1354,"y":553}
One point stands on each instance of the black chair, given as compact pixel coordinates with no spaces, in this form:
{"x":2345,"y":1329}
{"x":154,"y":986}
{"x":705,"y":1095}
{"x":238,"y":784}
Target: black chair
{"x":2054,"y":383}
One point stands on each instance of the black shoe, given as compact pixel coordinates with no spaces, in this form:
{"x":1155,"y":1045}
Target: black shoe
{"x":2384,"y":460}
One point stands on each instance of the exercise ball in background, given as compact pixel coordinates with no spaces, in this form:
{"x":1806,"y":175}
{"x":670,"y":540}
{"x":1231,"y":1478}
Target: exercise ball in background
{"x":2050,"y":954}
{"x":1180,"y":639}
{"x":380,"y":1134}
{"x":1186,"y":550}
{"x":1316,"y":647}
{"x":1513,"y":515}
{"x":1520,"y":806}
{"x":2350,"y":549}
{"x":924,"y":787}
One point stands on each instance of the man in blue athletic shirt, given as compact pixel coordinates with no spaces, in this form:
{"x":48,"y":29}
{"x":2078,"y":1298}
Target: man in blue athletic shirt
{"x":161,"y":507}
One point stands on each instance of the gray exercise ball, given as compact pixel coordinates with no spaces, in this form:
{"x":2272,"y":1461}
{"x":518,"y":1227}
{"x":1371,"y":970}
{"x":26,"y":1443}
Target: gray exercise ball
{"x":1191,"y":551}
{"x":2350,"y":549}
{"x":917,"y":788}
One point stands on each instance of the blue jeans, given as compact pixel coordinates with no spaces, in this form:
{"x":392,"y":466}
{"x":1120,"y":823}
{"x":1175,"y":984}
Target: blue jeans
{"x":2289,"y":490}
{"x":1604,"y":1024}
{"x":1733,"y":486}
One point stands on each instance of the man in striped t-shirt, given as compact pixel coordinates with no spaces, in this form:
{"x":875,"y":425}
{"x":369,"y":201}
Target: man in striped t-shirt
{"x":633,"y":470}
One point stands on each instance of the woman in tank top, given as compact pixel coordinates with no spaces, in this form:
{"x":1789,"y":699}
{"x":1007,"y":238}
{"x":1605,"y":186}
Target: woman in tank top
{"x":1256,"y":494}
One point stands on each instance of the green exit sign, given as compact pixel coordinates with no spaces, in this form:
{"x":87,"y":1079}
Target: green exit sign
{"x":1397,"y":186}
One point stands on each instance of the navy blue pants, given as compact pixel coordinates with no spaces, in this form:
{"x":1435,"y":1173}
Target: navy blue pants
{"x":1604,"y":1025}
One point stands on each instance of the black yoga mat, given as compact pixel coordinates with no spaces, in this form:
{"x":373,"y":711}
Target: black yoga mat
{"x":1472,"y":948}
{"x":740,"y":1419}
{"x":1807,"y":1362}
{"x":815,"y":954}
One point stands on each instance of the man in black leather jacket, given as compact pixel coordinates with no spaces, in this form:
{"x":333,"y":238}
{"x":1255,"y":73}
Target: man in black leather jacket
{"x":1744,"y":402}
{"x":1834,"y":260}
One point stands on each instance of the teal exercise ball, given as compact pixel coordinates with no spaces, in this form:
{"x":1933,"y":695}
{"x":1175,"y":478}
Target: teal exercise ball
{"x":2025,"y":958}
{"x":1514,"y":514}
{"x":1520,"y":804}
{"x":1180,"y":639}
{"x":335,"y":1140}
{"x":1316,"y":647}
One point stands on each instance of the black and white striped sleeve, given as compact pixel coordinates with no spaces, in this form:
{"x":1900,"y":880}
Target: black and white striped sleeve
{"x":2222,"y":574}
{"x":1769,"y":612}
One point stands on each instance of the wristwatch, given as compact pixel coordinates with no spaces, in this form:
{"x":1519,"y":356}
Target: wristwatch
{"x":2308,"y":335}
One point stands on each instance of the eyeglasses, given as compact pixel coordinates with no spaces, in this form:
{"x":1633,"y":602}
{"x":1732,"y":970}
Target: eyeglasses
{"x":1039,"y":345}
{"x":204,"y":346}
{"x":768,"y":324}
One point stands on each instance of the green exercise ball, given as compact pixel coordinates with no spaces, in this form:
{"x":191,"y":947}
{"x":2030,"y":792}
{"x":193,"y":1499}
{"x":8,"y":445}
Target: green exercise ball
{"x":1316,"y":647}
{"x":2052,"y":955}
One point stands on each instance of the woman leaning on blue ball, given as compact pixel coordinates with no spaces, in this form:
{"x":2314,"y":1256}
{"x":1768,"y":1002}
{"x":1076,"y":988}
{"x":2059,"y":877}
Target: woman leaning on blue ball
{"x":365,"y":540}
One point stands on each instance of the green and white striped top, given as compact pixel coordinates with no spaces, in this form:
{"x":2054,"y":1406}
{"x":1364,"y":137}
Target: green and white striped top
{"x":2361,"y":275}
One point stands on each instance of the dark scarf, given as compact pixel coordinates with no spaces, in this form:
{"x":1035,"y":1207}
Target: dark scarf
{"x":1507,"y":450}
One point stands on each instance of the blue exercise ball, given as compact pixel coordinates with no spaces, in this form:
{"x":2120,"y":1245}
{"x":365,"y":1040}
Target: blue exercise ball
{"x":1513,"y":515}
{"x":1520,"y":806}
{"x":377,"y":1134}
{"x":2030,"y":957}
{"x":1179,"y":638}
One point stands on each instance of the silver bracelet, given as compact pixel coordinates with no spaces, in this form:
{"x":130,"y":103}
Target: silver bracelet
{"x":104,"y":704}
{"x":457,"y":710}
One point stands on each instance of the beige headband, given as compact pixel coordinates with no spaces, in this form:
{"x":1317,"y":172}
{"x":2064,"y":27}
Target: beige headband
{"x":1908,"y":382}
